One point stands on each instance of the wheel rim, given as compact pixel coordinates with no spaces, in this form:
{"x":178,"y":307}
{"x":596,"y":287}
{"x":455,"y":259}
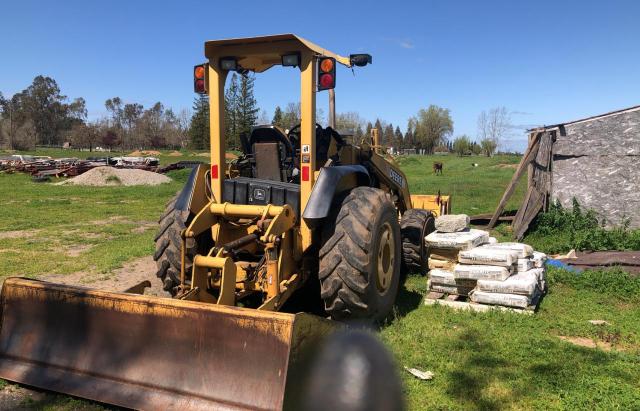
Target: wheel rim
{"x":386,"y":258}
{"x":423,"y":247}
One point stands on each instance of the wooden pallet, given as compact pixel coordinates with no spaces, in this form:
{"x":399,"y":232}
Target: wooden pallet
{"x":461,"y":303}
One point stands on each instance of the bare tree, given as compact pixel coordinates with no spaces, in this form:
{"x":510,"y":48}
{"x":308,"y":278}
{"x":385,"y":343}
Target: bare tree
{"x":493,"y":127}
{"x":349,"y":122}
{"x":264,"y":117}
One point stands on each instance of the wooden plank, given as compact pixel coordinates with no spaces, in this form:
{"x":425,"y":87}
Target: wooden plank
{"x":478,"y":218}
{"x":526,"y":159}
{"x":538,"y":187}
{"x":535,"y":205}
{"x":522,"y":209}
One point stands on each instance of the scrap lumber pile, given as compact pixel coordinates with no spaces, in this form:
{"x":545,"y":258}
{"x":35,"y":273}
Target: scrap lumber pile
{"x":468,"y":264}
{"x":42,"y":168}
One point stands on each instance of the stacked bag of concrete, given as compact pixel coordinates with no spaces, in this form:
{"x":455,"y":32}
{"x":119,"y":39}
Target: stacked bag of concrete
{"x":521,"y":287}
{"x":452,"y":236}
{"x":466,"y":261}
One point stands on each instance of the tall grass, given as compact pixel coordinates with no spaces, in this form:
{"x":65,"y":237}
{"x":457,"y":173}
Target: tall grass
{"x":562,"y":229}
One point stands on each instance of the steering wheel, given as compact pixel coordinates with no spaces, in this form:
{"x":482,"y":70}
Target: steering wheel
{"x":294,"y":134}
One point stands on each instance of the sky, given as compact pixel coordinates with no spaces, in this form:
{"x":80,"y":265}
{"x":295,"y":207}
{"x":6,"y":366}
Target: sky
{"x":545,"y":61}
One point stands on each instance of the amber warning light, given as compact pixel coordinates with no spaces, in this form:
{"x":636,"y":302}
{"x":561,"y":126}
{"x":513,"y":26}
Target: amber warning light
{"x":199,"y":79}
{"x":326,"y":73}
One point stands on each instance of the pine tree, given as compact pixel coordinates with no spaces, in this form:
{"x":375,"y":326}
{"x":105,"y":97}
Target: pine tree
{"x":277,"y":117}
{"x":231,"y":112}
{"x":367,"y":133}
{"x":387,"y":136}
{"x":199,"y":127}
{"x":359,"y":134}
{"x":399,"y":140}
{"x":247,"y":107}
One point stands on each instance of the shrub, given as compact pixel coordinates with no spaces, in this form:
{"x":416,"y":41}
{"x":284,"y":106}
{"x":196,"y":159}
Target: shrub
{"x":560,"y":230}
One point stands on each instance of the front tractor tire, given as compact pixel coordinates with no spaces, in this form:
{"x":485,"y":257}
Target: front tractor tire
{"x":168,"y":244}
{"x":415,"y":225}
{"x":360,"y":257}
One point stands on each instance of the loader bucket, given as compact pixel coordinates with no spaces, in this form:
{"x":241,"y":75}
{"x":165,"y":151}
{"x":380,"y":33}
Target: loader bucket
{"x":152,"y":353}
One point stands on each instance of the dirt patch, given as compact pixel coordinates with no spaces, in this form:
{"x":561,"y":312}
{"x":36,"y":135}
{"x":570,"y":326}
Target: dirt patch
{"x":202,"y":154}
{"x":77,"y":250}
{"x":586,"y":342}
{"x":131,"y":273}
{"x":144,"y":227}
{"x":512,"y":166}
{"x":175,"y":154}
{"x":17,"y":397}
{"x":109,"y":176}
{"x":230,"y":156}
{"x":18,"y":234}
{"x":110,"y":220}
{"x":138,"y":153}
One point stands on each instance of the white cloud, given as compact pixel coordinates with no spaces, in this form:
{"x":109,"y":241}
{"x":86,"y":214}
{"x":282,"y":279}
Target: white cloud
{"x":406,"y":44}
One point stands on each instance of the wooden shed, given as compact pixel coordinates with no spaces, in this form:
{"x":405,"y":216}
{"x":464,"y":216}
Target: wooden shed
{"x":595,"y":160}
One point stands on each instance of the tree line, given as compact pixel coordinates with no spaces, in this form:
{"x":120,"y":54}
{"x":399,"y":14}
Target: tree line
{"x":41,"y":115}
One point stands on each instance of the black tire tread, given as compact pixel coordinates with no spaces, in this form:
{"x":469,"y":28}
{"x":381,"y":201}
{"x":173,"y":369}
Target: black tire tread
{"x":345,"y":254}
{"x":168,"y":245}
{"x":412,"y":231}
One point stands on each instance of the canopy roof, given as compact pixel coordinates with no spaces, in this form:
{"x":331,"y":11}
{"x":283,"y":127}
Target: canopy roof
{"x":261,"y":53}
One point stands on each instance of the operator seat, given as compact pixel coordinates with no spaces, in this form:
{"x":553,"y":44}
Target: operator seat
{"x":271,"y":151}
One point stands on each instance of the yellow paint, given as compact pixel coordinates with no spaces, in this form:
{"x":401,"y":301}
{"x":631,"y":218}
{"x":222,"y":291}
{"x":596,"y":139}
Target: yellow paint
{"x":307,"y":135}
{"x":216,"y":81}
{"x":438,"y":205}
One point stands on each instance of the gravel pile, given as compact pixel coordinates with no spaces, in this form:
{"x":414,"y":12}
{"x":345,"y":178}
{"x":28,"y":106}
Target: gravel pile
{"x":109,"y":176}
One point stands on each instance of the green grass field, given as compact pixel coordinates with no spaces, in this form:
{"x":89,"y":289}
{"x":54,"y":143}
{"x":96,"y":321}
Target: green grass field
{"x":490,"y":360}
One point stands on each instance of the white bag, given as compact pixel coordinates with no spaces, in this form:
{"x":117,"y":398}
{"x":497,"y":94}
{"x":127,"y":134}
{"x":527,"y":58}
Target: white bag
{"x":539,"y":273}
{"x":524,"y":264}
{"x":493,"y":240}
{"x":449,"y":289}
{"x":443,"y":277}
{"x":489,"y":256}
{"x":524,"y":250}
{"x":481,"y":272}
{"x":524,"y":284}
{"x":508,"y":300}
{"x":463,"y":240}
{"x":539,"y":259}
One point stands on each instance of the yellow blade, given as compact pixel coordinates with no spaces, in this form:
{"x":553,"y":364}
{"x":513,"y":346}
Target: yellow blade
{"x":146,"y":352}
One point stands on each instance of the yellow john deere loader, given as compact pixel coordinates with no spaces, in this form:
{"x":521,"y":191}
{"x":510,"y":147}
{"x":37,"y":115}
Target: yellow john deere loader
{"x":301,"y":217}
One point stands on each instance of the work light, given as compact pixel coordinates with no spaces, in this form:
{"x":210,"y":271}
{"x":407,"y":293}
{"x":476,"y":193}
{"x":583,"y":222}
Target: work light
{"x":291,"y":60}
{"x":229,"y":63}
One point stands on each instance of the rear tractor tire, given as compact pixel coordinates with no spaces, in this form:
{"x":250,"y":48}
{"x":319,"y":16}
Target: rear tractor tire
{"x":168,"y":245}
{"x":360,"y":257}
{"x":415,"y":225}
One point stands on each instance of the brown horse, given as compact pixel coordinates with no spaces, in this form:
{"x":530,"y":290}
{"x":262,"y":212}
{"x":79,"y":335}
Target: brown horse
{"x":437,"y":167}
